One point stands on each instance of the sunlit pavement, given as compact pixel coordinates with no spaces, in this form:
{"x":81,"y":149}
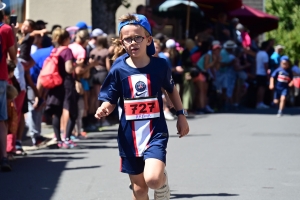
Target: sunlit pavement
{"x":247,"y":156}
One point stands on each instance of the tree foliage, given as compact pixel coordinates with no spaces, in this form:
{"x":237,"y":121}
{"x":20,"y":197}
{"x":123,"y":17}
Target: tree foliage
{"x":288,"y":32}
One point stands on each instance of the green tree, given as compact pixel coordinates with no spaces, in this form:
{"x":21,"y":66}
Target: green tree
{"x":288,"y":30}
{"x":103,"y":13}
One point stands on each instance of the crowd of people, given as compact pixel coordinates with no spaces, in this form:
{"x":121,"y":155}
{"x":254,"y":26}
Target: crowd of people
{"x":219,"y":69}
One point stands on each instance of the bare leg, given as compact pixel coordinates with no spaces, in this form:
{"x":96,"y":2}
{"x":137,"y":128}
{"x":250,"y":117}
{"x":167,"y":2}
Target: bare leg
{"x":139,"y":187}
{"x":154,"y":173}
{"x":282,"y":103}
{"x":21,"y":128}
{"x":203,"y":94}
{"x":3,"y":135}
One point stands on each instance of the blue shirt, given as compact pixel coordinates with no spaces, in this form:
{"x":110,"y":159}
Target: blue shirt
{"x":282,"y":77}
{"x":275,"y":60}
{"x":39,"y":57}
{"x":162,"y":55}
{"x":122,"y":82}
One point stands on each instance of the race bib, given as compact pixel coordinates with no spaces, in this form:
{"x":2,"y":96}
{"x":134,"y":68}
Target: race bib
{"x":141,"y":108}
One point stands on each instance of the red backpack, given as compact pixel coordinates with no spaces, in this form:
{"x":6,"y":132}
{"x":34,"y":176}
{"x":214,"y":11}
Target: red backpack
{"x":49,"y":76}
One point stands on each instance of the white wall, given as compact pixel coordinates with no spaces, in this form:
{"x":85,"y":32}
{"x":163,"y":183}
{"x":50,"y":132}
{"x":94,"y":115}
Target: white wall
{"x":63,"y":12}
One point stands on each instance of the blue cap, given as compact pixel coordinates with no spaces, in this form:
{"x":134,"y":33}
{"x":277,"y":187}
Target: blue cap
{"x":286,"y":58}
{"x":82,"y":25}
{"x":142,"y":21}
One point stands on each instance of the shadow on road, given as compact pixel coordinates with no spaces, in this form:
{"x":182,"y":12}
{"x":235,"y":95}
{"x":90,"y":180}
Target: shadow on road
{"x":190,"y":196}
{"x":36,"y":177}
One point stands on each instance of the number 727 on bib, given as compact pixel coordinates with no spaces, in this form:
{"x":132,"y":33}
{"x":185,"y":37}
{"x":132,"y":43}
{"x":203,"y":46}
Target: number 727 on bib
{"x":145,"y":108}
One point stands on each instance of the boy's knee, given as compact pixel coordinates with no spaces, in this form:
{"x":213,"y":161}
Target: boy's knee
{"x":154,"y":182}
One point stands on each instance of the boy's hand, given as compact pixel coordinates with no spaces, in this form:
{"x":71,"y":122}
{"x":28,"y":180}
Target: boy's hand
{"x":101,"y":112}
{"x":271,"y":86}
{"x":182,"y":126}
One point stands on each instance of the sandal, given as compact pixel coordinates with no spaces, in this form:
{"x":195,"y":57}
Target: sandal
{"x":19,"y":150}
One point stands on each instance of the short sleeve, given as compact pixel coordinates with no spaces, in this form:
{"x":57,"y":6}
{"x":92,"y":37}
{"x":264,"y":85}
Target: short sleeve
{"x":275,"y":73}
{"x":81,"y":54}
{"x":110,"y":89}
{"x":266,"y":58}
{"x":10,"y":38}
{"x":67,"y":55}
{"x":168,"y":82}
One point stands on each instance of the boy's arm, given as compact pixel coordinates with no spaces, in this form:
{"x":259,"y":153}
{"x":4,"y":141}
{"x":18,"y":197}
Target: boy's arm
{"x":105,"y":109}
{"x":182,"y":125}
{"x":271,"y":86}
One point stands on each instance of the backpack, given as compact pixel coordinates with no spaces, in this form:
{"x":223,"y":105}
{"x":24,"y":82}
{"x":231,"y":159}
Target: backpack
{"x":49,"y":76}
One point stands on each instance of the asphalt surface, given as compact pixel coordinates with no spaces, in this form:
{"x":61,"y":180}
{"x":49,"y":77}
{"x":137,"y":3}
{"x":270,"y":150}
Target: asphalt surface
{"x":241,"y":156}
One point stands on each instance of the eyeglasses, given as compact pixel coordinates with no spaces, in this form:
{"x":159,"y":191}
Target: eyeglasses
{"x":137,"y":39}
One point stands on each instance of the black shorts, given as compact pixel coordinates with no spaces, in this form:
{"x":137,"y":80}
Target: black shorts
{"x":98,"y":77}
{"x":262,"y":81}
{"x":135,"y":165}
{"x":178,"y":78}
{"x":70,"y":102}
{"x":25,"y":104}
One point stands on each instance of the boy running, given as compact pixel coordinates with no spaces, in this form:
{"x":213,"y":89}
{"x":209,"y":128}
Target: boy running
{"x":136,"y":80}
{"x":284,"y":79}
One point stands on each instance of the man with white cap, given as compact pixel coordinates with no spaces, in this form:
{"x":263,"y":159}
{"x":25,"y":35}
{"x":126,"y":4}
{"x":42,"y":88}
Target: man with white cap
{"x":96,"y":33}
{"x":275,"y":57}
{"x":7,"y":45}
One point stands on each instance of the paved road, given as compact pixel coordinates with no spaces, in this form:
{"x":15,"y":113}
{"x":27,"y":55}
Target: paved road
{"x":226,"y":156}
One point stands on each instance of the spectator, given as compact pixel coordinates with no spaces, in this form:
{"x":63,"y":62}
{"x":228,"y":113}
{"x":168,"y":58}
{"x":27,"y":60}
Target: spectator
{"x":63,"y":97}
{"x":275,"y":57}
{"x":55,"y":26}
{"x":222,"y":32}
{"x":99,"y":73}
{"x":262,"y":66}
{"x":224,"y":82}
{"x":140,"y":9}
{"x":96,"y":33}
{"x":245,"y":37}
{"x":46,"y":40}
{"x":271,"y":46}
{"x":35,"y":110}
{"x":166,"y":100}
{"x":235,"y":34}
{"x":174,"y":57}
{"x":83,"y":73}
{"x":8,"y":47}
{"x":208,"y":63}
{"x":152,"y":23}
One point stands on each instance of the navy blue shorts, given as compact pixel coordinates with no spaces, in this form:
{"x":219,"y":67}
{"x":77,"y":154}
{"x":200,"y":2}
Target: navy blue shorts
{"x":280,"y":92}
{"x":135,"y":165}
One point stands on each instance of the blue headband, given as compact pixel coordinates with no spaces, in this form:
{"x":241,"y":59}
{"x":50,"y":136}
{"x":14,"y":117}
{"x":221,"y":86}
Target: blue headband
{"x":142,"y":21}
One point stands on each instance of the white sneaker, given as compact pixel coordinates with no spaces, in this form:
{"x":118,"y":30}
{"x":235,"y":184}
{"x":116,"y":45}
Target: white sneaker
{"x":164,"y":192}
{"x":262,"y":106}
{"x":168,"y":116}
